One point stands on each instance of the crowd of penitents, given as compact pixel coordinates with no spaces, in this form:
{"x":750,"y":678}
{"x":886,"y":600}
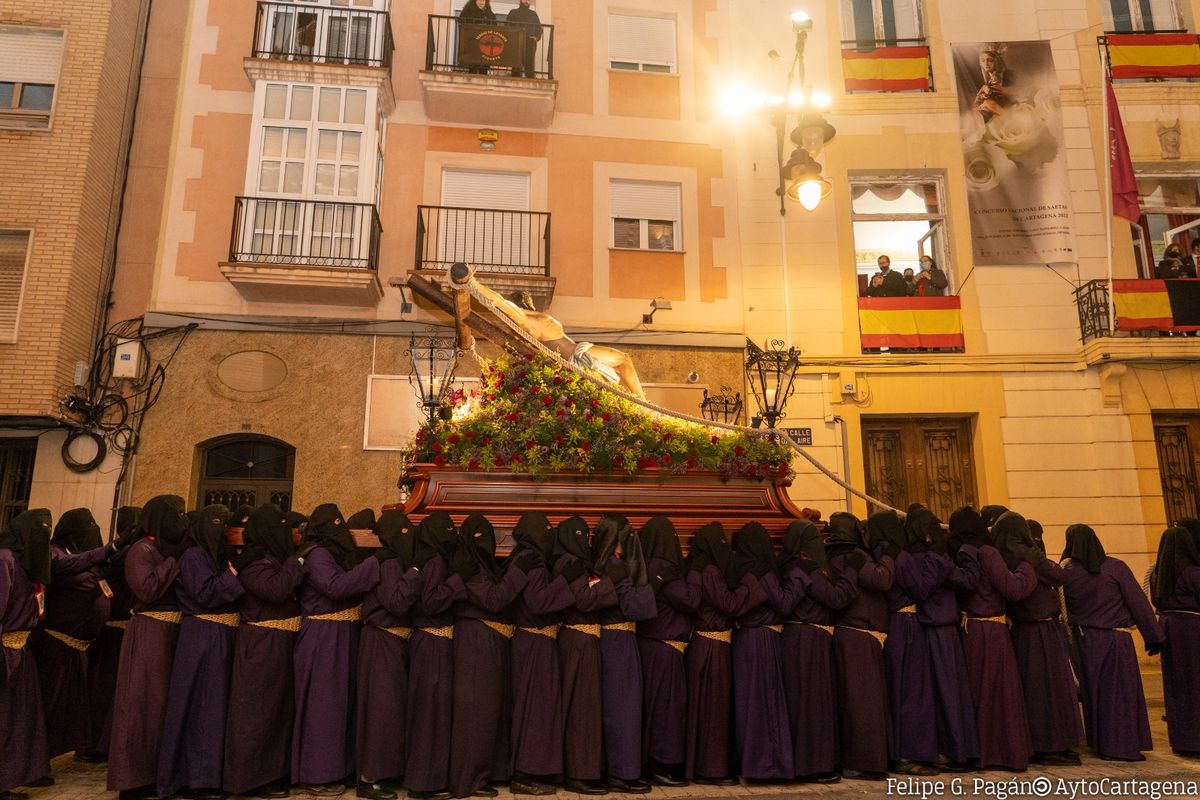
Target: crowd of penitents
{"x":595,"y":660}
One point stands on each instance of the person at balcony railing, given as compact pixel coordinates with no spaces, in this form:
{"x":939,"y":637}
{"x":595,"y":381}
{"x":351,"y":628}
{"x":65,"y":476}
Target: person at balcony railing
{"x":477,"y":11}
{"x":887,"y":282}
{"x":910,"y":286}
{"x":524,"y":15}
{"x":930,"y":281}
{"x":1174,"y":265}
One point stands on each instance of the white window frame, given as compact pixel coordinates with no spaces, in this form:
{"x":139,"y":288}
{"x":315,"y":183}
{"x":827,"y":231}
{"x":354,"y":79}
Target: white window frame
{"x":939,"y":250}
{"x":637,"y":64}
{"x":1172,"y":17}
{"x":29,"y":239}
{"x":13,"y":117}
{"x":646,"y":220}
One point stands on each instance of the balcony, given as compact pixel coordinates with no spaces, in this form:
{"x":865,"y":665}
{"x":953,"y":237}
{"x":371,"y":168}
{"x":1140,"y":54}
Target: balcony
{"x":488,"y":74}
{"x":323,"y":44}
{"x":891,"y":324}
{"x":1153,"y":56}
{"x":510,"y":250}
{"x":896,"y":65}
{"x":304,"y":251}
{"x":1146,"y":308}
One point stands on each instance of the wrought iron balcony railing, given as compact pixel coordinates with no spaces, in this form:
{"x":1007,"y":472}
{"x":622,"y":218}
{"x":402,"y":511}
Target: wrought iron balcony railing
{"x":494,"y":48}
{"x":323,"y":34}
{"x":305,"y":233}
{"x":1091,"y":301}
{"x":507,"y":242}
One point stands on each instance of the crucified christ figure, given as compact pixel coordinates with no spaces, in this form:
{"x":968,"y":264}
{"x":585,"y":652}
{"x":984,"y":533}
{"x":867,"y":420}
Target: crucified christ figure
{"x":611,"y":363}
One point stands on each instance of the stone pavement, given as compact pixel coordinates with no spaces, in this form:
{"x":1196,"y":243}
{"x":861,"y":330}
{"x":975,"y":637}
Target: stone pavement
{"x":75,"y":781}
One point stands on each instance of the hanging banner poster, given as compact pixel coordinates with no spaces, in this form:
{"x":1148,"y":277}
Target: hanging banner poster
{"x":1013,"y":153}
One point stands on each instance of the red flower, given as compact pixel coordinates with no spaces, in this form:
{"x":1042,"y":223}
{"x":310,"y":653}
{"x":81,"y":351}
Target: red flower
{"x":557,"y":380}
{"x":715,"y":438}
{"x":665,"y":459}
{"x":485,"y":441}
{"x":560,"y":412}
{"x":474,"y":464}
{"x":492,"y":397}
{"x":587,"y":415}
{"x":595,"y":403}
{"x":521,"y":376}
{"x":516,"y":459}
{"x":439,"y":460}
{"x":604,"y":415}
{"x":499,"y":376}
{"x":738,"y":451}
{"x":666,"y":436}
{"x":512,"y":416}
{"x":470,"y":434}
{"x":547,"y":400}
{"x":516,"y":389}
{"x":437,"y":447}
{"x":586,"y":446}
{"x":691,"y":462}
{"x":530,"y":444}
{"x":558,"y":439}
{"x":454,"y":438}
{"x":526,"y":357}
{"x":618,"y":461}
{"x":499,"y":462}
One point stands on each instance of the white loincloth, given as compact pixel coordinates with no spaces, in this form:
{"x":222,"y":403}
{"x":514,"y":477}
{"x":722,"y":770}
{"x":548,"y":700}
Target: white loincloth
{"x":583,"y":360}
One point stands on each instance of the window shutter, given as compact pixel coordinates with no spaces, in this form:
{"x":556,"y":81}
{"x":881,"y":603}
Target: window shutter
{"x":30,"y":55}
{"x":502,"y":191}
{"x":643,"y":200}
{"x":649,"y":40}
{"x":14,"y":246}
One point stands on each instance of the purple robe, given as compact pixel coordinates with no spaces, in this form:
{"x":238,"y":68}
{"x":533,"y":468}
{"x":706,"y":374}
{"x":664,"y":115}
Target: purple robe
{"x":481,"y":749}
{"x":954,"y":710}
{"x":262,"y":702}
{"x":906,"y":653}
{"x":147,"y":654}
{"x":764,"y":735}
{"x":621,"y":680}
{"x":325,"y":656}
{"x":809,"y":600}
{"x":104,"y":656}
{"x":383,"y":672}
{"x":859,"y":669}
{"x":1102,"y":608}
{"x":537,"y":724}
{"x":664,"y":679}
{"x":431,"y":679}
{"x":991,"y":664}
{"x":76,"y":608}
{"x":709,"y":665}
{"x":193,"y":738}
{"x":1180,"y":616}
{"x":22,"y":727}
{"x":1044,"y":661}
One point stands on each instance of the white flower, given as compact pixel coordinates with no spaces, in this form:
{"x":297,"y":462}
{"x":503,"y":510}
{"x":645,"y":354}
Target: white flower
{"x":1023,"y":135}
{"x":986,"y":166}
{"x":1048,"y":103}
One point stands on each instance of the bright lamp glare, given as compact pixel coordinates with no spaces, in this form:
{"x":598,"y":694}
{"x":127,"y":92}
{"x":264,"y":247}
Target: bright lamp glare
{"x":821,"y":99}
{"x":809,"y":194}
{"x":738,"y":101}
{"x":799,"y":16}
{"x":795,"y":99}
{"x":775,"y":100}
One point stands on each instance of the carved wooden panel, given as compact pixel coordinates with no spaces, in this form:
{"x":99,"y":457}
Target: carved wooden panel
{"x":920,"y":460}
{"x":1176,"y":441}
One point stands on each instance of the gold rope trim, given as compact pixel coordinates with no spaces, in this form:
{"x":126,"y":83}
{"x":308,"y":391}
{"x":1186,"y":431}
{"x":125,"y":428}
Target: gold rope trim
{"x":119,"y":624}
{"x":228,"y":620}
{"x":14,"y":640}
{"x":628,"y":627}
{"x":173,"y":617}
{"x":876,"y":635}
{"x":590,"y":630}
{"x":69,"y":641}
{"x":502,"y":628}
{"x":288,"y":624}
{"x":716,"y":636}
{"x":967,"y":619}
{"x":549,"y":631}
{"x":352,"y":614}
{"x":912,"y":609}
{"x":444,"y":632}
{"x":398,"y":630}
{"x":680,"y":646}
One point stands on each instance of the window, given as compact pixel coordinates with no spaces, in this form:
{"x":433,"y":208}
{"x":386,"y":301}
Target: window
{"x":247,"y":470}
{"x":14,"y":255}
{"x":312,"y":141}
{"x":30,"y":61}
{"x":645,"y":215}
{"x":641,"y":44}
{"x":485,"y":219}
{"x":902,"y":219}
{"x":871,"y":23}
{"x":1142,"y":15}
{"x":1170,"y":212}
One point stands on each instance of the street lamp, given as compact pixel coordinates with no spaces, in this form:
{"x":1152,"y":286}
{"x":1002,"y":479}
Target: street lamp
{"x":433,"y":359}
{"x":722,"y":407}
{"x":800,"y":177}
{"x":771,"y":374}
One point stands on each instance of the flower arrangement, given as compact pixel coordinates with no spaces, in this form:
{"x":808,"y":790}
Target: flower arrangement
{"x":530,"y":415}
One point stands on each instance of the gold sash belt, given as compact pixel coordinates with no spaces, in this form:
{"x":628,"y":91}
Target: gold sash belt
{"x":628,"y":627}
{"x":288,"y":624}
{"x":69,"y":641}
{"x":1182,"y":611}
{"x":120,"y":624}
{"x":228,"y":620}
{"x":549,"y":631}
{"x":502,"y":628}
{"x":14,"y":640}
{"x":397,"y":630}
{"x":352,"y":614}
{"x":827,"y":628}
{"x":590,"y":630}
{"x":1125,"y":630}
{"x":173,"y":617}
{"x":716,"y":636}
{"x":911,"y":609}
{"x":680,"y":646}
{"x":876,"y":635}
{"x":967,"y":619}
{"x":444,"y":632}
{"x":776,"y":628}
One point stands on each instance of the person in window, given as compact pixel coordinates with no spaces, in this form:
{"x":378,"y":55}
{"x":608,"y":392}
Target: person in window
{"x":1173,"y":264}
{"x":887,"y":282}
{"x":477,"y":11}
{"x":910,"y":287}
{"x":930,"y":281}
{"x":524,"y":15}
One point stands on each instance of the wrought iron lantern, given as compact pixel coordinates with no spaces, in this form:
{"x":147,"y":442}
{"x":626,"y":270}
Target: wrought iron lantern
{"x":724,"y":407}
{"x":771,"y":374}
{"x":433,"y":360}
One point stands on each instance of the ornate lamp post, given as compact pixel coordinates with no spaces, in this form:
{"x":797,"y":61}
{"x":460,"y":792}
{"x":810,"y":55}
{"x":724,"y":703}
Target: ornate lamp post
{"x":771,"y":374}
{"x":433,"y":360}
{"x":723,"y":407}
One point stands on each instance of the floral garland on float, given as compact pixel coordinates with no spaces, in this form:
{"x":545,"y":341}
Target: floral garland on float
{"x":531,"y":416}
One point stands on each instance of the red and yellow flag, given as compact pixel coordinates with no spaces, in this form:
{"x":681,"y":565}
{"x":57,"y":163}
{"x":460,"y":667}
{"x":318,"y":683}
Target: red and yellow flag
{"x":910,"y":322}
{"x":886,"y":69}
{"x":1154,"y":55}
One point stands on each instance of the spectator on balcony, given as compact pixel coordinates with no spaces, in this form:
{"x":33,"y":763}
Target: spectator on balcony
{"x":910,"y":287}
{"x":477,"y":11}
{"x":931,"y":281}
{"x":887,"y":282}
{"x":524,"y":15}
{"x":1174,"y":265}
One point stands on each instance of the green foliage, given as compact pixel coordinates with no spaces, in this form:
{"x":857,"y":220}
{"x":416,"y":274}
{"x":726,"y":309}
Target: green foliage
{"x":532,"y":416}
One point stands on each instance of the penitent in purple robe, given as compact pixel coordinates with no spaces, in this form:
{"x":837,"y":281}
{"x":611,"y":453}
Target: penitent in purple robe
{"x":954,"y":710}
{"x":193,"y":738}
{"x":621,"y":679}
{"x":664,"y":688}
{"x":76,"y":609}
{"x":147,"y":653}
{"x":859,"y":669}
{"x":481,"y":748}
{"x":104,"y":656}
{"x":709,"y":663}
{"x":1180,"y":614}
{"x":991,"y":664}
{"x":383,"y":672}
{"x":537,"y":724}
{"x":22,"y":729}
{"x":1102,"y":610}
{"x":325,"y":658}
{"x":262,"y":701}
{"x":1044,"y":662}
{"x":761,"y":724}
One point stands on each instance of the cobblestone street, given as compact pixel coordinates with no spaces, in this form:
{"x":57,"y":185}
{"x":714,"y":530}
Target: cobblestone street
{"x":76,"y":781}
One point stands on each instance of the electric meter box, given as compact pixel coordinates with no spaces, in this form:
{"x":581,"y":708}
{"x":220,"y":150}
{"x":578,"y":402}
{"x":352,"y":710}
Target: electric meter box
{"x":127,"y":359}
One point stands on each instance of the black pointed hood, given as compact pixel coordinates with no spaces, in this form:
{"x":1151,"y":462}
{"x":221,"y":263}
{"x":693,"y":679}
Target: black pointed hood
{"x":1084,"y":548}
{"x":77,"y":531}
{"x":28,"y":537}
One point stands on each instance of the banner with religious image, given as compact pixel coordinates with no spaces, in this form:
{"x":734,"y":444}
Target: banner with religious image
{"x":1013,"y":153}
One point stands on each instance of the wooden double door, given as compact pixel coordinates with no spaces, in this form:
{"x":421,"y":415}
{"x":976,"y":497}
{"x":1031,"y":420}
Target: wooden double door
{"x":925,"y":460}
{"x":1177,"y":438}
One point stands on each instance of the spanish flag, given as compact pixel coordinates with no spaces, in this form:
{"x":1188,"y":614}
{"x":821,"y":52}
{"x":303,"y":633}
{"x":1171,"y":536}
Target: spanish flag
{"x":886,"y":69}
{"x":910,"y":322}
{"x":1154,"y":55}
{"x":1157,"y":305}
